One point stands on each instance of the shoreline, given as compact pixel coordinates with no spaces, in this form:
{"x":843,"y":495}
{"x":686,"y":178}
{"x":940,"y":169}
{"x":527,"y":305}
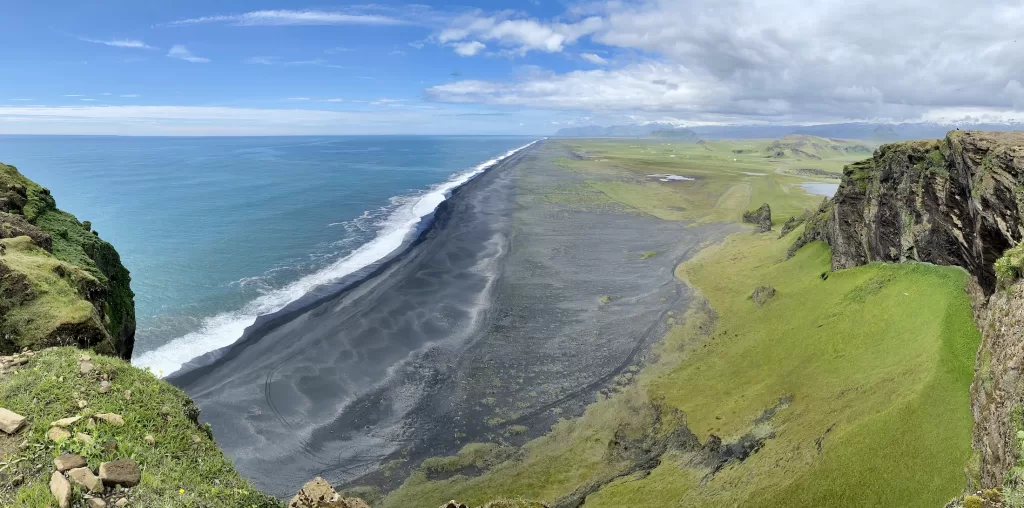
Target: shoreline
{"x":492,"y":318}
{"x":318,"y":292}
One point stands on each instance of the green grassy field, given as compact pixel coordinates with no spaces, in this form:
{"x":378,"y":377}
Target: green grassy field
{"x":728,"y":176}
{"x":856,"y":386}
{"x":183,"y":468}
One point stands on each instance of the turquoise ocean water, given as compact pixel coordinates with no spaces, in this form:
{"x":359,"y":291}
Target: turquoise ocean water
{"x":216,"y":231}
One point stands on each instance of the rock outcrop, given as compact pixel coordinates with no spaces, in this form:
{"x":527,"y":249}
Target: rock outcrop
{"x":43,"y":250}
{"x":762,"y":218}
{"x":955,"y":201}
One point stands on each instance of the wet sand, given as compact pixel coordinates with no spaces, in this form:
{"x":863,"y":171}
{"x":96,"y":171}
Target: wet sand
{"x":512,"y":309}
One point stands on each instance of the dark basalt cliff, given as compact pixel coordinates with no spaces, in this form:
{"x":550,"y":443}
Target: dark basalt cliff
{"x":60,"y":283}
{"x":955,"y":201}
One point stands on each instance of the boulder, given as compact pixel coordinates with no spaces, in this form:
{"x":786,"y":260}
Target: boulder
{"x":454,"y":504}
{"x":318,"y":493}
{"x":761,"y":295}
{"x":120,"y":472}
{"x":84,"y":477}
{"x":10,"y":422}
{"x":66,"y":461}
{"x":762,"y":217}
{"x":61,"y":489}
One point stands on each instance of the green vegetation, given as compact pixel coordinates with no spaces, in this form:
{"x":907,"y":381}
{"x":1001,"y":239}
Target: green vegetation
{"x":728,"y":176}
{"x":184,"y":468}
{"x":648,"y":255}
{"x":1010,"y":266}
{"x":76,"y":245}
{"x":857,"y":385}
{"x":43,"y":294}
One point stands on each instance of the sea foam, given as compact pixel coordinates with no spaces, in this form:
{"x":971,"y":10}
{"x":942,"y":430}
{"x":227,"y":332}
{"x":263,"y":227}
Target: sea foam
{"x":224,"y":329}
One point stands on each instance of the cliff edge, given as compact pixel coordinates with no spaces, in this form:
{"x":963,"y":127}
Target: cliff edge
{"x":955,"y":201}
{"x":60,"y":284}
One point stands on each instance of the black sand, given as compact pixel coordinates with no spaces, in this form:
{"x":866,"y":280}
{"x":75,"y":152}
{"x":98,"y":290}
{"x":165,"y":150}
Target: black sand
{"x":495,"y":319}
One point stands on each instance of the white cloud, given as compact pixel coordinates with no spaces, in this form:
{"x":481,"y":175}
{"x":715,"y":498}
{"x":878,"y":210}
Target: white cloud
{"x":129,"y":95}
{"x":295,"y":18}
{"x":261,"y":60}
{"x":182,"y":53}
{"x":519,"y":35}
{"x":468,"y":48}
{"x":594,"y":59}
{"x":73,"y":95}
{"x":764,"y":60}
{"x":120,"y":43}
{"x":88,"y":100}
{"x":23,"y":100}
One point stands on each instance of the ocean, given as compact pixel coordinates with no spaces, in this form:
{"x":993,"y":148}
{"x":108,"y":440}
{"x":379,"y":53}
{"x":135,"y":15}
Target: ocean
{"x":217,"y":231}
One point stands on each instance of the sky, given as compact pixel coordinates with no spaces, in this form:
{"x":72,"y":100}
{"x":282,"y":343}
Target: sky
{"x":279,"y":67}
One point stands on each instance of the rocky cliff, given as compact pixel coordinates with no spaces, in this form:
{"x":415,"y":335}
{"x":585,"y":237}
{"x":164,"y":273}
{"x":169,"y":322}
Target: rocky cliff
{"x":955,"y":201}
{"x":60,"y":283}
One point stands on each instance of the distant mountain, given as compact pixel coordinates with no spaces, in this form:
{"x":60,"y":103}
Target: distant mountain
{"x":618,"y":131}
{"x":853,"y":130}
{"x":685,"y":135}
{"x":814,"y":147}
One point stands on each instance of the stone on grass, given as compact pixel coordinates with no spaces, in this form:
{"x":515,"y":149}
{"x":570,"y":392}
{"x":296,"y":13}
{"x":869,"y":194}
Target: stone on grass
{"x":104,"y":386}
{"x":66,"y":422}
{"x":10,"y":422}
{"x":57,"y":434}
{"x":95,"y":502}
{"x":61,"y":489}
{"x":85,"y":438}
{"x":85,"y":367}
{"x":66,"y":461}
{"x":761,"y":295}
{"x":121,"y":502}
{"x":82,"y":404}
{"x":111,"y":418}
{"x":454,"y":504}
{"x":120,"y":472}
{"x":150,"y":440}
{"x":84,"y":476}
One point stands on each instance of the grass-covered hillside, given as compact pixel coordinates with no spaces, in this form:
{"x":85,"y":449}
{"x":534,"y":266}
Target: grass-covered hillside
{"x":849,"y":388}
{"x":53,"y":272}
{"x":180,"y":464}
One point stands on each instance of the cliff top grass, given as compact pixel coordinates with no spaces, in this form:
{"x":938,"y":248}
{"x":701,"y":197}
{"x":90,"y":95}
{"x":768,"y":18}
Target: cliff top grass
{"x":184,"y":468}
{"x":84,"y":254}
{"x":56,"y":298}
{"x":856,"y":386}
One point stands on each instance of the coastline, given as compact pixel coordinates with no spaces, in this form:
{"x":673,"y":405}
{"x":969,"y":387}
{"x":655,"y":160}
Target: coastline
{"x":490,"y":319}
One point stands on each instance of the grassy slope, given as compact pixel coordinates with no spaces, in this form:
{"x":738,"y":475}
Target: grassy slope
{"x":58,"y":300}
{"x":882,"y":354}
{"x":184,"y":457}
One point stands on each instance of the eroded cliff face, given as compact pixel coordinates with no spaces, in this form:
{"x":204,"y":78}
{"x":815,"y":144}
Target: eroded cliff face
{"x":955,"y":201}
{"x":60,"y":283}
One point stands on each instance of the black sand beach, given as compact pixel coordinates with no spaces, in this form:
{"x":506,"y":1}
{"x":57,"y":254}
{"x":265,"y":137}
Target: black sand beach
{"x":512,"y":309}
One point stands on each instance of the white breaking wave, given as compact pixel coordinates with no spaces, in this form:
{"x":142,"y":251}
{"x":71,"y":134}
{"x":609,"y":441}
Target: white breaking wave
{"x":224,"y":329}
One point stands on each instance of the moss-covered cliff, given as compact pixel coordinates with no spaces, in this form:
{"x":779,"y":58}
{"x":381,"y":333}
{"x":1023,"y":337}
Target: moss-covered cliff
{"x":60,"y":283}
{"x":955,"y":201}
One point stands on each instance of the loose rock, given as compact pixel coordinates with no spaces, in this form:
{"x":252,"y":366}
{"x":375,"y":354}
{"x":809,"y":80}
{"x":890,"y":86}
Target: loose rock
{"x":96,"y":502}
{"x":120,"y":472}
{"x":66,"y":461}
{"x":85,"y":367}
{"x":61,"y":489}
{"x":57,"y":434}
{"x":318,"y":493}
{"x":10,"y":422}
{"x":454,"y":504}
{"x":85,"y":438}
{"x":111,"y":418}
{"x":83,"y":476}
{"x":66,"y":422}
{"x":121,"y":502}
{"x":150,"y":440}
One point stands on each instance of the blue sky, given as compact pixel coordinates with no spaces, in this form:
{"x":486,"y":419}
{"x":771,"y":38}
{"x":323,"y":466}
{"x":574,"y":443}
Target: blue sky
{"x":513,"y":67}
